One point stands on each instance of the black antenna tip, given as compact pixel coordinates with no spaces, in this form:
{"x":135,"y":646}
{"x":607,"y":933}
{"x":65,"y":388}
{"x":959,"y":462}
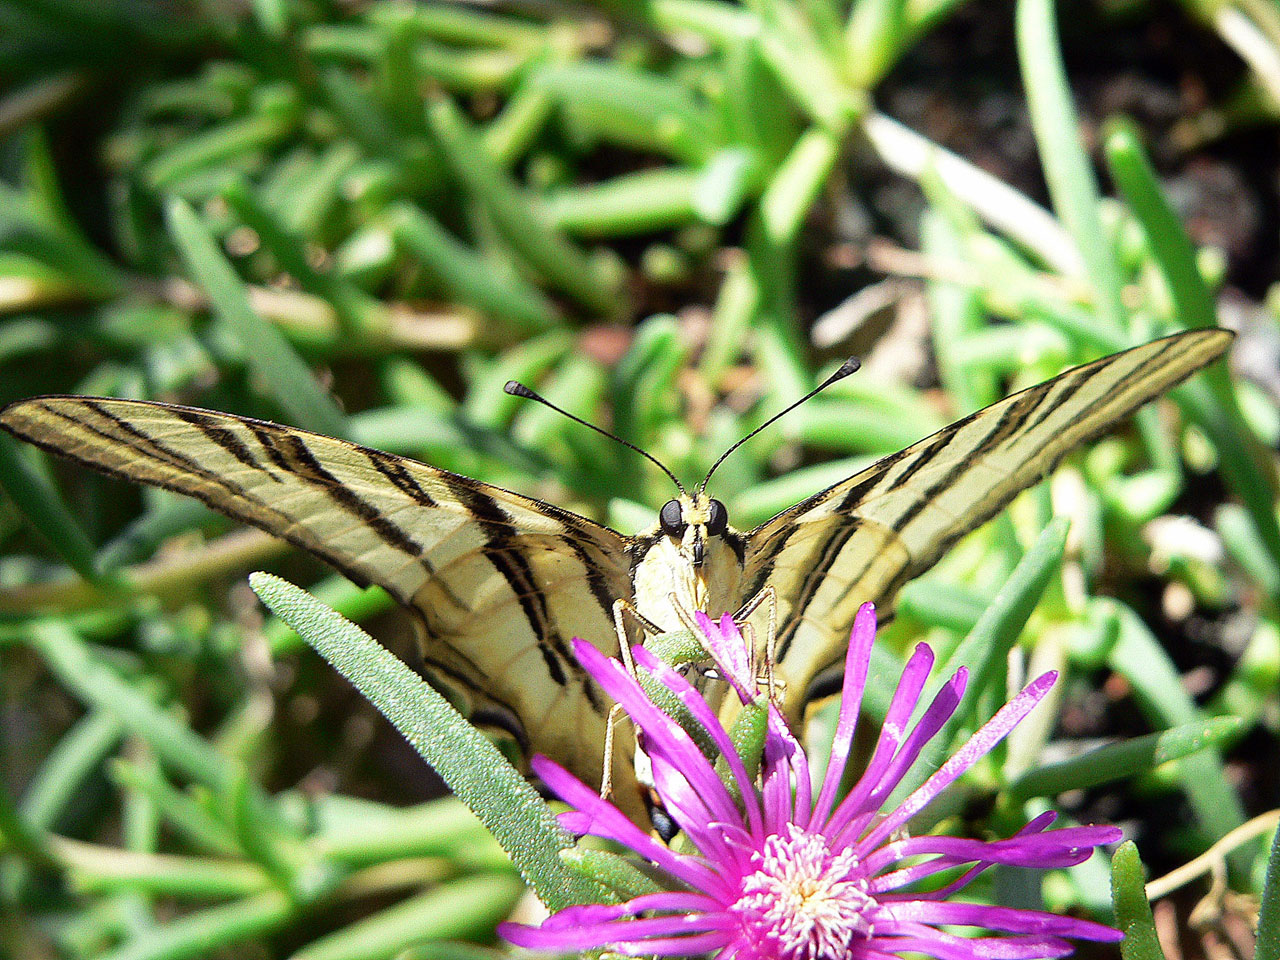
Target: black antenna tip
{"x":852,"y":365}
{"x":846,"y":368}
{"x":517,"y":389}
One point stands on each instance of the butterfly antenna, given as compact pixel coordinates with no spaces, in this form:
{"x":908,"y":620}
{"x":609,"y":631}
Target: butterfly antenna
{"x":518,"y":389}
{"x":849,"y":366}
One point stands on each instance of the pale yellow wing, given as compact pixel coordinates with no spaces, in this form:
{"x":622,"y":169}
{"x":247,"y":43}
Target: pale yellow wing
{"x":499,"y":583}
{"x":862,"y":539}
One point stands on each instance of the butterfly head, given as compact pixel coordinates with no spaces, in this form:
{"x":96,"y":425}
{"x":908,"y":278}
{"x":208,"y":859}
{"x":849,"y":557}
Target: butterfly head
{"x":694,"y":523}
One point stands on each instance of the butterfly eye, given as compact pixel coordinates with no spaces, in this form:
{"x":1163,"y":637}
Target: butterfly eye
{"x":717,"y":518}
{"x":671,"y":519}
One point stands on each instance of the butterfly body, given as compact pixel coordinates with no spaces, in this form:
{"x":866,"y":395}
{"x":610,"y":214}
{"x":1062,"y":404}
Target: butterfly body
{"x":499,"y":584}
{"x":692,"y":556}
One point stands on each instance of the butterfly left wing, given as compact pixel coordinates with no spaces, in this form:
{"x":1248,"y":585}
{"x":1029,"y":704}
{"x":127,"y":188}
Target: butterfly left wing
{"x":499,"y":583}
{"x":862,"y":539}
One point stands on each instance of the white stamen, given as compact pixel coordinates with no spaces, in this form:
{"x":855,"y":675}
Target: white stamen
{"x":812,"y":904}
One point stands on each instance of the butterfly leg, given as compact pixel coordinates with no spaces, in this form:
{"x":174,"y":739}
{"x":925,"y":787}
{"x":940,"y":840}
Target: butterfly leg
{"x":621,"y":609}
{"x":769,"y":597}
{"x":606,"y":778}
{"x":686,"y":618}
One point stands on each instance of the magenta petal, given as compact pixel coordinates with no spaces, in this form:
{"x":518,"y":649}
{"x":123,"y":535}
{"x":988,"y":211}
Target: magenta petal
{"x":798,"y":762}
{"x":905,"y":698}
{"x":935,"y":716}
{"x":686,"y":808}
{"x":608,"y":821}
{"x":856,"y":664}
{"x":703,"y":911}
{"x":577,"y":822}
{"x":899,"y":878}
{"x":780,"y":750}
{"x":686,"y":763}
{"x":1046,"y":850}
{"x":1020,"y":948}
{"x":1038,"y":823}
{"x":884,"y":885}
{"x":678,"y":946}
{"x":931,"y":944}
{"x":1104,"y":834}
{"x":1010,"y":919}
{"x":615,"y":933}
{"x":532,"y":938}
{"x":729,"y":651}
{"x":664,"y":734}
{"x":586,"y":913}
{"x":668,"y":925}
{"x":978,"y":948}
{"x":673,"y":900}
{"x":701,"y":711}
{"x":977,"y":746}
{"x":576,"y":939}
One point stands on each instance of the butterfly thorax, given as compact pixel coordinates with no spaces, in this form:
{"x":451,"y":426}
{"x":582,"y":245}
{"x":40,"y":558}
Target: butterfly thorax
{"x":691,"y":553}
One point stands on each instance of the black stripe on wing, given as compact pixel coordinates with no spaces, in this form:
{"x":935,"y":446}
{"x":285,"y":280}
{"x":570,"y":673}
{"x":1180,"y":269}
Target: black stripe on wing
{"x":937,"y":490}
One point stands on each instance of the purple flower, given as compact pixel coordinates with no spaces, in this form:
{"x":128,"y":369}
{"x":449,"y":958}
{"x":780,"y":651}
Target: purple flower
{"x":793,"y":876}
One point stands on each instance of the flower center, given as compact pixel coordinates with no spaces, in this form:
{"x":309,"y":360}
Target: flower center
{"x":807,"y":902}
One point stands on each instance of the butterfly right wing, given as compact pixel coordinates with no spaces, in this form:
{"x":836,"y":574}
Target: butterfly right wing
{"x":862,"y":539}
{"x":499,"y":583}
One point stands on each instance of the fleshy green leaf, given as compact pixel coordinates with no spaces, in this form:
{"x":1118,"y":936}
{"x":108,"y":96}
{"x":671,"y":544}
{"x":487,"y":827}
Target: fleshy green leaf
{"x":43,"y":506}
{"x":1133,"y":912}
{"x":225,"y":925}
{"x":987,"y":645}
{"x":615,"y":872}
{"x":1268,"y":947}
{"x":357,"y":311}
{"x":985,"y":649}
{"x":469,"y":277}
{"x":472,"y":766}
{"x":545,"y":248}
{"x":1066,"y":165}
{"x":467,"y":908}
{"x":279,"y":369}
{"x":97,"y":685}
{"x":1119,"y":760}
{"x":1157,"y":686}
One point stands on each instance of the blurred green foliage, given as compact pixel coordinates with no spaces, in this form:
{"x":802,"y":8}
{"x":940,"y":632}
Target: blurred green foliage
{"x":365,"y":218}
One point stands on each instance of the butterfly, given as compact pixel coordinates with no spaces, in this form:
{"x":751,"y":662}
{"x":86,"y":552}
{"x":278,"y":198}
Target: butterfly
{"x":498,"y":584}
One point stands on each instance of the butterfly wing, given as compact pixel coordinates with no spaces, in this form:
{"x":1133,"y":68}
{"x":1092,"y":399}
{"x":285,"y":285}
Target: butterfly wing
{"x":862,"y":539}
{"x":498,"y":583}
